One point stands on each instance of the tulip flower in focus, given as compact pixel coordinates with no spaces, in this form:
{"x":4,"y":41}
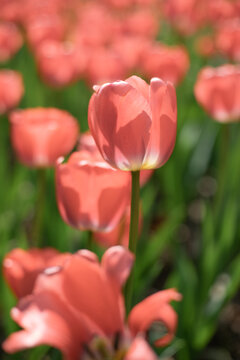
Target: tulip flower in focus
{"x":40,"y":135}
{"x":133,"y":123}
{"x":165,"y":62}
{"x":10,"y":40}
{"x":218,"y":91}
{"x":90,"y":194}
{"x":21,"y":267}
{"x":78,"y":309}
{"x":11,"y":90}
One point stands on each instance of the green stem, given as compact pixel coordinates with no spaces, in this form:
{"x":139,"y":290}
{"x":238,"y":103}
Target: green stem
{"x":133,"y":235}
{"x":90,"y":241}
{"x":222,"y":165}
{"x":40,"y":202}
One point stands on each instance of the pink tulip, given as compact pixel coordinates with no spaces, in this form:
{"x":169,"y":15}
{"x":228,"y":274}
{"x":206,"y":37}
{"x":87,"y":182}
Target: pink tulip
{"x":10,"y":40}
{"x":21,"y":267}
{"x":133,"y":123}
{"x":218,"y":91}
{"x":11,"y":90}
{"x":60,"y":64}
{"x":40,"y":135}
{"x":90,"y":194}
{"x":78,"y":307}
{"x":166,"y":62}
{"x":227,"y":39}
{"x":104,"y":65}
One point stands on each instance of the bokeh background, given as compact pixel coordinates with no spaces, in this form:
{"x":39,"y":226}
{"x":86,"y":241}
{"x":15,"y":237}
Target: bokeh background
{"x":190,"y":207}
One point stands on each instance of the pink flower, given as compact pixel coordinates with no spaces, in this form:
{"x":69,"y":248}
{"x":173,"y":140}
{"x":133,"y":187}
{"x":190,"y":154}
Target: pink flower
{"x":10,"y":40}
{"x":218,"y":91}
{"x":227,"y":39}
{"x":78,"y":308}
{"x":40,"y":135}
{"x":21,"y":267}
{"x":133,"y":123}
{"x":104,"y":65}
{"x":60,"y":63}
{"x":11,"y":90}
{"x":90,"y":194}
{"x":166,"y":62}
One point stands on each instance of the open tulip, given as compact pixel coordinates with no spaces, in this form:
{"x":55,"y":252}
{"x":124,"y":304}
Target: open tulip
{"x":218,"y":91}
{"x":90,"y":193}
{"x":133,"y":123}
{"x":78,"y":308}
{"x":21,"y":267}
{"x":11,"y":90}
{"x":40,"y":135}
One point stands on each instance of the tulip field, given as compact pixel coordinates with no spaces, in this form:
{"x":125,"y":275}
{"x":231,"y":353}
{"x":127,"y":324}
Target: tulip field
{"x":119,"y":174}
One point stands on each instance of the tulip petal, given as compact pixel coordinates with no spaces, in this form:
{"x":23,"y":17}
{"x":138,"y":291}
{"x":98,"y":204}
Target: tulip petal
{"x":120,"y":121}
{"x":98,"y":299}
{"x":164,"y":123}
{"x":140,"y":350}
{"x":117,"y":262}
{"x":155,"y":308}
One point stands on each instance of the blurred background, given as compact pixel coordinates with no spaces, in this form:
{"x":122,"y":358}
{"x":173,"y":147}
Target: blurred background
{"x":190,"y":207}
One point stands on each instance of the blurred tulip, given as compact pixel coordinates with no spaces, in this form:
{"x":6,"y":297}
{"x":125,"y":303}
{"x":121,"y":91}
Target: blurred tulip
{"x":205,"y":46}
{"x":40,"y":135}
{"x":186,"y":16}
{"x":90,"y":194}
{"x":218,"y":91}
{"x":60,"y":63}
{"x":10,"y":40}
{"x":134,"y":124}
{"x":11,"y":90}
{"x":41,"y":29}
{"x":227,"y":39}
{"x":218,"y":11}
{"x":21,"y":267}
{"x":104,"y":65}
{"x":82,"y":315}
{"x":142,"y":22}
{"x":166,"y":62}
{"x":130,"y":49}
{"x":11,"y":10}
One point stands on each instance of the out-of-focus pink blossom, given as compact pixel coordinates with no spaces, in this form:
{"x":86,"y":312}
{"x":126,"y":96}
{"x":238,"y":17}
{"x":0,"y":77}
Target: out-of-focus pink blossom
{"x":141,"y":23}
{"x":10,"y":40}
{"x":22,"y":267}
{"x":104,"y":65}
{"x":11,"y":90}
{"x":60,"y":63}
{"x":79,"y":309}
{"x":218,"y":91}
{"x":169,"y":63}
{"x":227,"y":39}
{"x":90,"y":194}
{"x":205,"y":46}
{"x":40,"y":135}
{"x":186,"y":16}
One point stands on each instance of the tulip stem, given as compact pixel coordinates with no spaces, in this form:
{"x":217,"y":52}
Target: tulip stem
{"x":222,"y":164}
{"x":133,"y":235}
{"x":40,"y":201}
